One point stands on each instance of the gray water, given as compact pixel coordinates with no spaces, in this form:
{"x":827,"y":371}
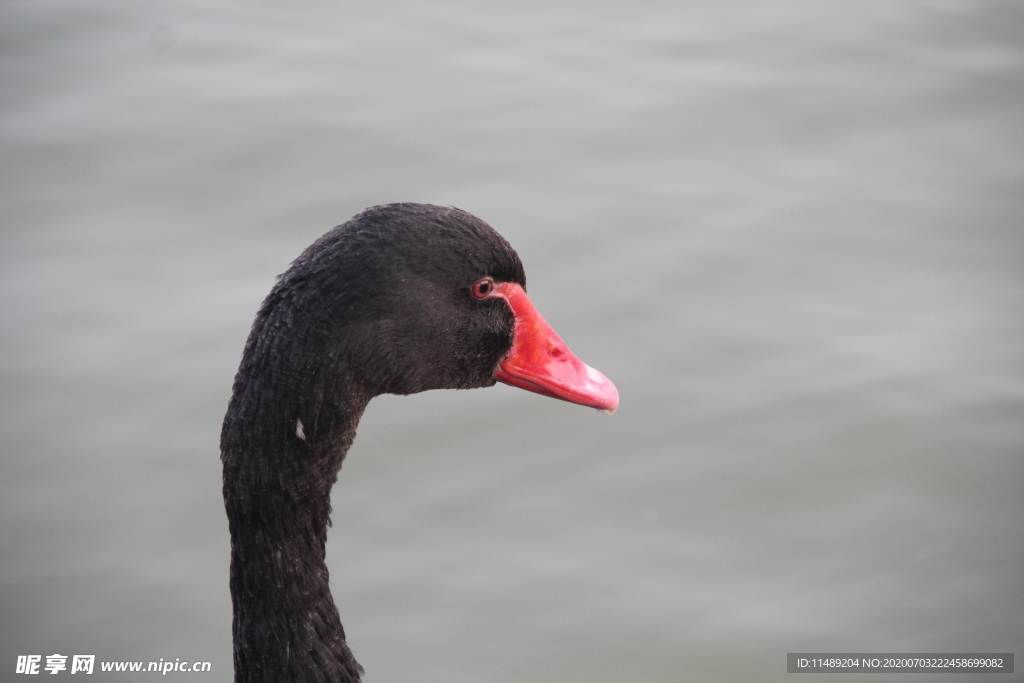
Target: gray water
{"x":792,"y":233}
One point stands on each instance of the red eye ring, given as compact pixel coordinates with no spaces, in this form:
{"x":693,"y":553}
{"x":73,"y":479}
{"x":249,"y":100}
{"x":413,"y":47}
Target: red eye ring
{"x":483,"y":288}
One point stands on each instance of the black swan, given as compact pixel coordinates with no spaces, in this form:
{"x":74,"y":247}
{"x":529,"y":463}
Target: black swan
{"x":399,"y":299}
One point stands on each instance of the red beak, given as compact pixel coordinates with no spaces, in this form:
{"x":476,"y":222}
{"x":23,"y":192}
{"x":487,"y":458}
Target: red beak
{"x":541,"y":362}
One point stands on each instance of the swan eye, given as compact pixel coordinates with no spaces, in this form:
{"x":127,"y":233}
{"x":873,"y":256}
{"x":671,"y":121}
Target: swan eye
{"x":483,"y":287}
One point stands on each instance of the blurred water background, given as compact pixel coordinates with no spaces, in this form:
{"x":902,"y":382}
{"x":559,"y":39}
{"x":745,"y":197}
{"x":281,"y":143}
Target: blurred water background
{"x":791,"y":232}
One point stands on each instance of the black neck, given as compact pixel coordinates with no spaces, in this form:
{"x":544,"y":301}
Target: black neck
{"x":282,"y":446}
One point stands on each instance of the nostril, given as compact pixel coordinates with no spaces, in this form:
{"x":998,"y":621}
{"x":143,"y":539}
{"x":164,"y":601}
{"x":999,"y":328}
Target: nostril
{"x":557,"y":353}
